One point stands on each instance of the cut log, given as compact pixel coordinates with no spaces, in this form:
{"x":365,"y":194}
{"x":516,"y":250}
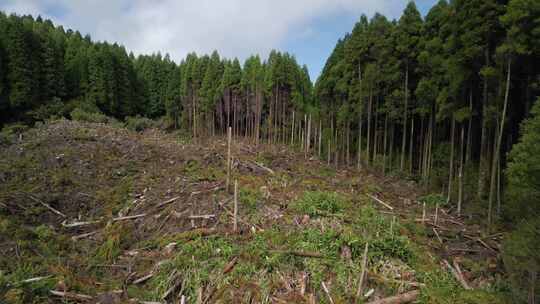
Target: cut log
{"x":35,"y":199}
{"x":380,"y":202}
{"x":168,"y":201}
{"x":84,"y":235}
{"x":363,"y":273}
{"x":307,"y":254}
{"x":72,"y":296}
{"x":462,"y":278}
{"x":327,"y":293}
{"x":457,"y":275}
{"x":204,"y":216}
{"x":131,"y":217}
{"x":229,"y":267}
{"x":399,"y":299}
{"x":36,"y":279}
{"x":144,"y":278}
{"x":78,"y":224}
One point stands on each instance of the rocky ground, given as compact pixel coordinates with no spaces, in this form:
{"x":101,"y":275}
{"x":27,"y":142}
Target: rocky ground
{"x":96,"y":213}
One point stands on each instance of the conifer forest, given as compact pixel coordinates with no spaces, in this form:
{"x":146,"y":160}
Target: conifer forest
{"x":407,"y":172}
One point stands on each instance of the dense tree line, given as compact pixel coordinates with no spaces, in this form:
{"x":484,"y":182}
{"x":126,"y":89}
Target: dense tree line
{"x":46,"y":70}
{"x":441,"y":99}
{"x":447,"y":91}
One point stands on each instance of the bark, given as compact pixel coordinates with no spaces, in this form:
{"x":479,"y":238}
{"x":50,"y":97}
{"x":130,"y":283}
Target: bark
{"x":399,"y":299}
{"x":460,"y":174}
{"x":404,"y":138}
{"x":359,"y":160}
{"x":497,"y":151}
{"x":451,"y":169}
{"x":483,"y":141}
{"x":411,"y":146}
{"x":369,"y":126}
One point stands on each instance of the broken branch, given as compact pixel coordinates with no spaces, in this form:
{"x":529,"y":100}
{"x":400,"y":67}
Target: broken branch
{"x":380,"y":202}
{"x":402,"y":298}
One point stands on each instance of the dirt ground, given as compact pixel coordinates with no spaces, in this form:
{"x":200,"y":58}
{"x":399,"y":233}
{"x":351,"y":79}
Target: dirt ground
{"x":96,"y":213}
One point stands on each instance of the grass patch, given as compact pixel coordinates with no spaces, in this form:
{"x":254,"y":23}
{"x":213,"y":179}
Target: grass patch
{"x":320,"y":204}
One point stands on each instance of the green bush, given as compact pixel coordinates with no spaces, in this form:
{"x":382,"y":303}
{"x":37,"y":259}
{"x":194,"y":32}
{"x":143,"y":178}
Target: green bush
{"x":433,"y":199}
{"x":319,"y":203}
{"x":96,"y":117}
{"x":139,"y":123}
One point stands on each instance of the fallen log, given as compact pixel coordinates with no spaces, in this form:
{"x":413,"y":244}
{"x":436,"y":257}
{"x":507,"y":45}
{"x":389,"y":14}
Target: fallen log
{"x":144,"y":278}
{"x":457,"y":275}
{"x":306,"y":254}
{"x":204,"y":216}
{"x":458,"y":270}
{"x":84,"y":235}
{"x":35,"y":199}
{"x":327,"y":292}
{"x":399,"y":299}
{"x":130,"y":217}
{"x":230,"y":265}
{"x":78,"y":224}
{"x":380,"y":202}
{"x":72,"y":296}
{"x":168,"y":201}
{"x":36,"y":279}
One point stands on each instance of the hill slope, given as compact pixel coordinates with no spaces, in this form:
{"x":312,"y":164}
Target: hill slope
{"x":109,"y":215}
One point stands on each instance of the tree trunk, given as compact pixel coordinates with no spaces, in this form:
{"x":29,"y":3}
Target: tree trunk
{"x":369,"y":126}
{"x":404,"y":138}
{"x":451,"y":169}
{"x":460,"y":174}
{"x":359,"y":160}
{"x":497,"y":151}
{"x":469,"y":129}
{"x":411,"y":146}
{"x":483,"y":142}
{"x":385,"y":141}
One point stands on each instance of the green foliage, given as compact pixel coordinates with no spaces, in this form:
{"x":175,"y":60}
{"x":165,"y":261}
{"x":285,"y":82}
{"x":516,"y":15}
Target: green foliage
{"x":139,"y":123}
{"x":320,"y":203}
{"x":94,"y":117}
{"x":433,"y":199}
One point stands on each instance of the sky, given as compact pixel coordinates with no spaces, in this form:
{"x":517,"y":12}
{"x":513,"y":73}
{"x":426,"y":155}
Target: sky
{"x":308,"y":29}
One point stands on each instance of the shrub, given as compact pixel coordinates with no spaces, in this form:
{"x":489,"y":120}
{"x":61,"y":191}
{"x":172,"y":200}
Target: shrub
{"x":96,"y":117}
{"x":319,"y":203}
{"x":139,"y":123}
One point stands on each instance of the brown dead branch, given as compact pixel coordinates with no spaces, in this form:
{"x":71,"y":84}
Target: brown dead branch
{"x":168,"y":201}
{"x":380,"y":202}
{"x":130,"y":217}
{"x":307,"y":254}
{"x":229,"y":267}
{"x":84,"y":235}
{"x":72,"y":296}
{"x":399,"y":299}
{"x":35,"y":199}
{"x":457,"y":275}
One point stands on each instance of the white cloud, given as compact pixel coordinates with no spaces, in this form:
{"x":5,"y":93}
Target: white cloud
{"x":233,"y":27}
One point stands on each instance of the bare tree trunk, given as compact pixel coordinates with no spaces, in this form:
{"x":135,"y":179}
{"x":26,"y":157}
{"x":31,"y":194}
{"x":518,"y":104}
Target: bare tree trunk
{"x":497,"y":151}
{"x":404,"y":138}
{"x":532,"y":285}
{"x":451,"y":170}
{"x":292,"y":130}
{"x":460,"y":174}
{"x":385,"y":141}
{"x":469,"y":129}
{"x":368,"y":156}
{"x":320,"y":136}
{"x":359,"y":160}
{"x":411,"y":142}
{"x":483,"y":142}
